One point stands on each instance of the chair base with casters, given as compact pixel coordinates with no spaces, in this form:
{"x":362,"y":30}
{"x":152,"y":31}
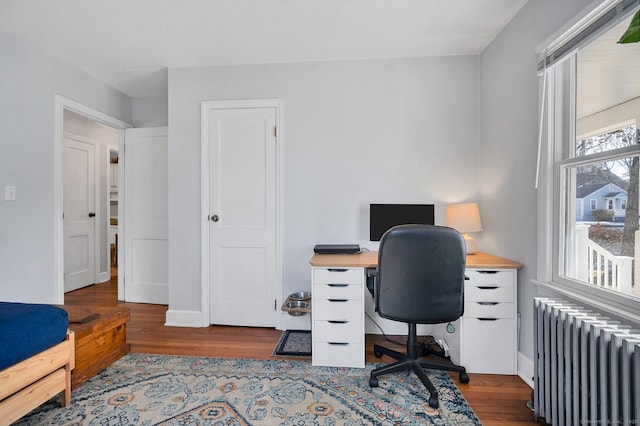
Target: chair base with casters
{"x":411,"y":362}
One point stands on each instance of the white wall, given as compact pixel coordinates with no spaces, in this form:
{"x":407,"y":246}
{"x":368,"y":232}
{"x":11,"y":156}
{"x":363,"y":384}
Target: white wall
{"x":29,"y":81}
{"x":150,"y":112}
{"x":509,"y":129}
{"x":355,"y":132}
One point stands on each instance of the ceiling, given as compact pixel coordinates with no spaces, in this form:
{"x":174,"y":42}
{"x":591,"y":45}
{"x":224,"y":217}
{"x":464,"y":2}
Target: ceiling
{"x":129,"y":44}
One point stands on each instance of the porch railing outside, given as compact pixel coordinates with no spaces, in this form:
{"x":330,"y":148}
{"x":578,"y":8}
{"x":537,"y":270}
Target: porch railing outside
{"x":596,"y":265}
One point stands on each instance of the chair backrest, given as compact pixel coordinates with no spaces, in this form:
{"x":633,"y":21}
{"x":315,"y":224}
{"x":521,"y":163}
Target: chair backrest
{"x":421,"y":274}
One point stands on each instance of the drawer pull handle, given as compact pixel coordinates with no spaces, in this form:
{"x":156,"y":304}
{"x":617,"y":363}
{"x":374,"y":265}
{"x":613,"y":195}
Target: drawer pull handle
{"x":488,"y":272}
{"x":338,"y":300}
{"x":336,"y":270}
{"x":337,"y":322}
{"x":489,"y":287}
{"x":338,"y":343}
{"x":338,"y":285}
{"x":466,"y":278}
{"x":488,"y":303}
{"x":487,"y":319}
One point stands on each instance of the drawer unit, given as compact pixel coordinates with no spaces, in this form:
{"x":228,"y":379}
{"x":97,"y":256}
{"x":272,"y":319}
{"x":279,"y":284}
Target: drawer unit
{"x":337,"y":309}
{"x":337,"y":291}
{"x":490,"y":277}
{"x":488,"y":328}
{"x":488,"y":294}
{"x":338,"y":275}
{"x":488,"y":309}
{"x":338,"y":354}
{"x":337,"y":328}
{"x":488,"y":346}
{"x":338,"y":331}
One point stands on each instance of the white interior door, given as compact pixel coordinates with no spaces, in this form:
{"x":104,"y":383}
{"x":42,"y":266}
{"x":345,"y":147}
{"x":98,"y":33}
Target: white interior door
{"x":79,"y":213}
{"x":242,"y":229}
{"x":145,"y":234}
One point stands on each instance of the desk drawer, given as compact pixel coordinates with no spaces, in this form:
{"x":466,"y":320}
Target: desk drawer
{"x":490,"y":278}
{"x":338,"y":275}
{"x":337,"y":291}
{"x":338,"y":355}
{"x":343,"y":332}
{"x":337,"y":309}
{"x":488,"y":310}
{"x":489,"y":346}
{"x":489,"y":294}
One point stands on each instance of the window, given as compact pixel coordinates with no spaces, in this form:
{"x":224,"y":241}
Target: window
{"x":592,"y":149}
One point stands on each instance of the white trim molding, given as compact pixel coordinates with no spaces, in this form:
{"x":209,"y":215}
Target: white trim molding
{"x":176,"y":318}
{"x":525,"y":369}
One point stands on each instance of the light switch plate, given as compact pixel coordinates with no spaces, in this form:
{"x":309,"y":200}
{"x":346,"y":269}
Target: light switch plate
{"x":10,"y":193}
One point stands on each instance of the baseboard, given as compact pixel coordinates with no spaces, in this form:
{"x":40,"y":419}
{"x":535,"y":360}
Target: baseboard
{"x":103,"y":277}
{"x":525,"y":369}
{"x":176,"y":318}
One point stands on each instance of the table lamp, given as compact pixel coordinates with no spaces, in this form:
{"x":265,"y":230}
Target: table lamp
{"x":465,"y":218}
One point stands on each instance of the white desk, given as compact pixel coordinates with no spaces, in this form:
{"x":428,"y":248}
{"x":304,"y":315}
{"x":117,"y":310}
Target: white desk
{"x":486,"y":336}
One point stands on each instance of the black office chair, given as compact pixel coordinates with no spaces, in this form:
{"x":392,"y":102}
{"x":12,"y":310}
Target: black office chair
{"x":420,"y":280}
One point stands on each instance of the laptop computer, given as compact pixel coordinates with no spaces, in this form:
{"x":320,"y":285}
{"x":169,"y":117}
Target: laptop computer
{"x":336,"y":249}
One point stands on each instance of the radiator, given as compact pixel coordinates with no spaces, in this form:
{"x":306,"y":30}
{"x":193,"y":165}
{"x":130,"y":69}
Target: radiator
{"x":587,"y":367}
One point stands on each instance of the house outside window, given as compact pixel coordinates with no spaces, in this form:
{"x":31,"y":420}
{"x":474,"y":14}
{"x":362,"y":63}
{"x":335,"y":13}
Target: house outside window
{"x":591,"y":151}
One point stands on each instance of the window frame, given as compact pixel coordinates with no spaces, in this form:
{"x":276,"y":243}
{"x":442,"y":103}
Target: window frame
{"x":556,"y":158}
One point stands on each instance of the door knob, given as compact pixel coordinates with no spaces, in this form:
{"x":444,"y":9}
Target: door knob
{"x":215,"y":217}
{"x":92,"y":214}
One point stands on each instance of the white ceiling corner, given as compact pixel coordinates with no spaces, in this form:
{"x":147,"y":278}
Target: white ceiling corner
{"x":129,"y":44}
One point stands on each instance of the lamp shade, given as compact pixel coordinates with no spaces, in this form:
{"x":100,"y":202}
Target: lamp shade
{"x":463,"y":217}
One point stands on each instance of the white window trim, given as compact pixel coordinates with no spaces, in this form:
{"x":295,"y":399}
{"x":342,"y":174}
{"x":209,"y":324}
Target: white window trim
{"x":593,"y":204}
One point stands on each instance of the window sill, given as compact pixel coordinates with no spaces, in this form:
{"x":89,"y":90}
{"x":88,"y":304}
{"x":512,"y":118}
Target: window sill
{"x":622,"y":307}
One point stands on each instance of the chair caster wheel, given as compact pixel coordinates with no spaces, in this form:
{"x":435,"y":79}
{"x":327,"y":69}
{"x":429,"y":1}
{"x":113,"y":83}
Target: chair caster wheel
{"x":433,"y":401}
{"x":373,"y":382}
{"x":464,"y":378}
{"x":377,"y":354}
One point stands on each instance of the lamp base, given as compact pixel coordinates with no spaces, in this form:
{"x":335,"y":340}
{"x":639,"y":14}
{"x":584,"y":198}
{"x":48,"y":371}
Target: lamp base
{"x":470,"y":243}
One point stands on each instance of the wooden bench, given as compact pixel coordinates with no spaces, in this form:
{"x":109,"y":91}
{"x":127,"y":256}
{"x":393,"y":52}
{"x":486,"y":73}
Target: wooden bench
{"x":100,"y":339}
{"x":30,"y":383}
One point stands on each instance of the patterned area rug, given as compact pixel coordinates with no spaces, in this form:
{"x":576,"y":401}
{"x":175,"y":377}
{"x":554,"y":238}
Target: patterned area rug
{"x":294,"y":343}
{"x":172,"y":390}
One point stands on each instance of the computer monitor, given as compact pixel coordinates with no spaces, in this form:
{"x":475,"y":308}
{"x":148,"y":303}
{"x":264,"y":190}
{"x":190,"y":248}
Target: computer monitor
{"x":383,"y":217}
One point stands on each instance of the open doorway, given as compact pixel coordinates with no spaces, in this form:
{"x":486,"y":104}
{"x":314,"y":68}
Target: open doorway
{"x":97,"y":203}
{"x":90,"y":200}
{"x":112,"y":208}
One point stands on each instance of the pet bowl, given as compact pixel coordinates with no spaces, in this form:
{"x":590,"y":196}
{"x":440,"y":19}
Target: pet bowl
{"x":300,"y":295}
{"x":295,"y":307}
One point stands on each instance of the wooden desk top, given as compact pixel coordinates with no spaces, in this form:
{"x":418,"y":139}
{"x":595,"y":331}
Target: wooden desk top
{"x":369,"y":259}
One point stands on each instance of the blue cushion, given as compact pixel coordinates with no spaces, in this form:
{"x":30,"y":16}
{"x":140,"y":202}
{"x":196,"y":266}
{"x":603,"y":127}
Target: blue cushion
{"x":26,"y":329}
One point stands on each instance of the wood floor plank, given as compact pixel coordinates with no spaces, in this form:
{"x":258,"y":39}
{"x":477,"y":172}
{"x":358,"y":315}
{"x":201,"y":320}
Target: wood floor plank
{"x":496,"y":399}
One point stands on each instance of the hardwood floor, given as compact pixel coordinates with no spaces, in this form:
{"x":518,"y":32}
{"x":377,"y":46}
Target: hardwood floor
{"x":496,"y":399}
